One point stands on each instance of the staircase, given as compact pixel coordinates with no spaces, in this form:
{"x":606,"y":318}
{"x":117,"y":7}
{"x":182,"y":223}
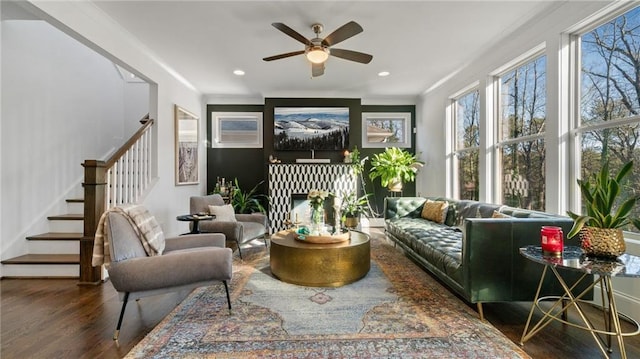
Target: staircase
{"x":55,"y":254}
{"x":67,"y":249}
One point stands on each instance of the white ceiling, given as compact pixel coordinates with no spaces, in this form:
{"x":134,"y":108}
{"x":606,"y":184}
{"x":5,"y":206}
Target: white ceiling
{"x":419,"y":42}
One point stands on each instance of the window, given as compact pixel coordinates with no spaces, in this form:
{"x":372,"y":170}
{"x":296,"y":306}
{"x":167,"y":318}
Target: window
{"x":609,"y":123}
{"x":236,"y":129}
{"x":466,"y":145}
{"x":521,"y":151}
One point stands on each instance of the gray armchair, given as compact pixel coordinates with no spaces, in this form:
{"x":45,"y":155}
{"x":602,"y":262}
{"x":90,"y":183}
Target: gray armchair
{"x":247,"y":227}
{"x":187,"y":262}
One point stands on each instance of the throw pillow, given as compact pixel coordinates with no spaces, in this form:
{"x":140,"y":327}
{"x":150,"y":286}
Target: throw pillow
{"x":497,"y":214}
{"x":223,"y":213}
{"x":435,"y":211}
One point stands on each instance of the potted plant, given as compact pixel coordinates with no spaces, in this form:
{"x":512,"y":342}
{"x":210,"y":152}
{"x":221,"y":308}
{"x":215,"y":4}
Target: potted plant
{"x":600,"y":229}
{"x":352,"y":207}
{"x":394,"y":166}
{"x":247,"y":202}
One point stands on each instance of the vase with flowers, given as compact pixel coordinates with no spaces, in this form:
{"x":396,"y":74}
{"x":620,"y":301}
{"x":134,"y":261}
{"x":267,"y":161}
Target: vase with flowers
{"x":316,"y":202}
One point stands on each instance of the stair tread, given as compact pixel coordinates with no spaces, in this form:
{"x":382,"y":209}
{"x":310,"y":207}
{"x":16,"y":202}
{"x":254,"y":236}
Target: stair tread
{"x":68,"y":217}
{"x":44,"y":259}
{"x":53,"y":236}
{"x":75,"y":200}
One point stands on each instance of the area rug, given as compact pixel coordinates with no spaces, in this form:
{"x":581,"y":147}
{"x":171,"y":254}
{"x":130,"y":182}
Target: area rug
{"x":396,"y":311}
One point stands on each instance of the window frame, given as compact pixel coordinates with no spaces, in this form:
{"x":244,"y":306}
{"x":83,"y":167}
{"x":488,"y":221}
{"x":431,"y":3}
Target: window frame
{"x":455,"y":151}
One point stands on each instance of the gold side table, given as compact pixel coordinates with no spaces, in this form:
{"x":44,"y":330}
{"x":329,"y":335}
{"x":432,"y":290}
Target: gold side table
{"x":604,"y":269}
{"x":319,"y":265}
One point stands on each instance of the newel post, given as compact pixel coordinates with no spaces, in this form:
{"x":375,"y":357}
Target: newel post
{"x":94,"y":205}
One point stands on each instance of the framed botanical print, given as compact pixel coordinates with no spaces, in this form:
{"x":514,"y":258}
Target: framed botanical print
{"x":186,"y":129}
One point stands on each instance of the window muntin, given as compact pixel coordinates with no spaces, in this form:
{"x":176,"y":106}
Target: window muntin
{"x":609,"y":125}
{"x":522,"y":109}
{"x":466,"y":129}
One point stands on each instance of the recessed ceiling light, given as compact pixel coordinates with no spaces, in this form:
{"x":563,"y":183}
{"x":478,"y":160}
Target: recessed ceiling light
{"x":238,"y":72}
{"x":384,"y":73}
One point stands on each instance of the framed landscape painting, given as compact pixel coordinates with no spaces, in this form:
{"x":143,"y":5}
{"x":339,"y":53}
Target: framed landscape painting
{"x":186,"y":128}
{"x":310,"y":128}
{"x":383,"y":129}
{"x":236,"y":129}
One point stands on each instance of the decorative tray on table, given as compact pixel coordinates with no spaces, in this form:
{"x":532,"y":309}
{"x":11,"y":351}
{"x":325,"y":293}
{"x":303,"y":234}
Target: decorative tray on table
{"x":302,"y":235}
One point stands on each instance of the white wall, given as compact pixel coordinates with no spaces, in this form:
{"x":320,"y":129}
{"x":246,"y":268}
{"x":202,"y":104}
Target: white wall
{"x":90,"y":25}
{"x":432,"y":117}
{"x":62,"y":103}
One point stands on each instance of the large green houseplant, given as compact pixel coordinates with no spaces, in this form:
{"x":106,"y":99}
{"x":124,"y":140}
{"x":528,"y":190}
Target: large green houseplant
{"x":600,"y":228}
{"x":248,"y":201}
{"x":394,"y":166}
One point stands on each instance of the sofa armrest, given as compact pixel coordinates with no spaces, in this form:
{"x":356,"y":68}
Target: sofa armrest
{"x":396,"y":207}
{"x":169,"y":270}
{"x":194,"y":241}
{"x":231,"y":230}
{"x":494,"y":270}
{"x":253,"y":217}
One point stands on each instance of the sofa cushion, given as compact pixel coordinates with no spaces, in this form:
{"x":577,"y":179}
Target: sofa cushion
{"x":438,"y":244}
{"x":497,"y":214}
{"x":435,"y":211}
{"x":223,"y":213}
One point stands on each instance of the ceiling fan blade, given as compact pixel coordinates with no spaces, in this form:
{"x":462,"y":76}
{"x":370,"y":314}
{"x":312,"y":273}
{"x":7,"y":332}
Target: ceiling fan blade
{"x":352,"y":55}
{"x":317,"y":70}
{"x":291,"y":32}
{"x":342,"y":33}
{"x":282,"y":56}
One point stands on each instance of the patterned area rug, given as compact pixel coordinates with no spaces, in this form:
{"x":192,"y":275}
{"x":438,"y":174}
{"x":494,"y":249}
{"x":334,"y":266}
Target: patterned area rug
{"x":396,"y":311}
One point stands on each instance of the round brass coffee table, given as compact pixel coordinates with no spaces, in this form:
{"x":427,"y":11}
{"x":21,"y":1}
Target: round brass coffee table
{"x":319,"y":265}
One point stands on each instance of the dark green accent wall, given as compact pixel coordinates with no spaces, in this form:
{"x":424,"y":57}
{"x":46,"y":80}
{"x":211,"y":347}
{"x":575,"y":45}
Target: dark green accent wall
{"x":249,"y":165}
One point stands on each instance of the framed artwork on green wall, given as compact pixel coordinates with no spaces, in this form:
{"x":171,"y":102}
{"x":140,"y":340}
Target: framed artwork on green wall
{"x":236,"y":129}
{"x":385,"y":129}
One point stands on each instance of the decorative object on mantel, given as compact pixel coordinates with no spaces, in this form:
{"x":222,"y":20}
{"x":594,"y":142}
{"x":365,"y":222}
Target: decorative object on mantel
{"x":347,"y":156}
{"x":394,"y":166}
{"x":273,"y":159}
{"x":601,"y":228}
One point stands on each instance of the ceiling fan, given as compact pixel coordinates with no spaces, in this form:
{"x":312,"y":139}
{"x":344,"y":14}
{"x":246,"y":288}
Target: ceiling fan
{"x":317,"y":50}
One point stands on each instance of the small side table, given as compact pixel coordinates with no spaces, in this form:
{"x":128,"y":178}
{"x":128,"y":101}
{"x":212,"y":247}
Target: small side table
{"x":195,"y":219}
{"x":604,"y":269}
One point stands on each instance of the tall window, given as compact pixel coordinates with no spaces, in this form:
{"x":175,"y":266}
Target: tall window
{"x":609,"y":124}
{"x":466,"y":115}
{"x":521,"y":155}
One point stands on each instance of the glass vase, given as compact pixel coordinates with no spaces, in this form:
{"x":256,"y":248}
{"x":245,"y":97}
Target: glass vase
{"x":317,"y":221}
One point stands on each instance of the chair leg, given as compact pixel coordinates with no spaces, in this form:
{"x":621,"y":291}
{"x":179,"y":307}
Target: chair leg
{"x":264,"y":238}
{"x":124,"y":306}
{"x":239,"y":250}
{"x":226,"y":288}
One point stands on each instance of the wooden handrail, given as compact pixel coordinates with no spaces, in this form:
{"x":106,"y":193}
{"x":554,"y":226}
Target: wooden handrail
{"x":122,"y":179}
{"x":127,"y":145}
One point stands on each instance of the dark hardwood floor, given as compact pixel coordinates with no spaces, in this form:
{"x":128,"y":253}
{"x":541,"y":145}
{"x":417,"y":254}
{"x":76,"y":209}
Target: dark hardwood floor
{"x":55,"y":318}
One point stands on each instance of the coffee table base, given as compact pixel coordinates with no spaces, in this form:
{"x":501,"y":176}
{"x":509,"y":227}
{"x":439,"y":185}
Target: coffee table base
{"x":319,"y":265}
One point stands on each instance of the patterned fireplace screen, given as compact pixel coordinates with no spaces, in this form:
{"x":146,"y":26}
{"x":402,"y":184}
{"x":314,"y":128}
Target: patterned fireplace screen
{"x":289,"y":182}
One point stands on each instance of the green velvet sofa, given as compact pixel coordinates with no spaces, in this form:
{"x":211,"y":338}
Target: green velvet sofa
{"x":473,"y":253}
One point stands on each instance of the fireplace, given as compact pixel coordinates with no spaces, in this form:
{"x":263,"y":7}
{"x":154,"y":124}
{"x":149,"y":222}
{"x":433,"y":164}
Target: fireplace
{"x":289,"y":185}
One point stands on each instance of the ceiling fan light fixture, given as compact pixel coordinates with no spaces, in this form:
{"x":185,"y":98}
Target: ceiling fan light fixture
{"x":317,"y":54}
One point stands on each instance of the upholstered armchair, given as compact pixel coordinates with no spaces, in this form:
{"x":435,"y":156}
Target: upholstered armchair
{"x":246,"y":227}
{"x":186,"y":262}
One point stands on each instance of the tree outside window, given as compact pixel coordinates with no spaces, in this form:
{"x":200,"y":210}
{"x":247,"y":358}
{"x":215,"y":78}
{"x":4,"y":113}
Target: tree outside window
{"x":521,"y":143}
{"x":467,"y":144}
{"x":609,"y":127}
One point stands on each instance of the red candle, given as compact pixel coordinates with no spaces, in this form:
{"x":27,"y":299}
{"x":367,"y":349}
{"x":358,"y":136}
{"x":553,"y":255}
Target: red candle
{"x":552,"y":241}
